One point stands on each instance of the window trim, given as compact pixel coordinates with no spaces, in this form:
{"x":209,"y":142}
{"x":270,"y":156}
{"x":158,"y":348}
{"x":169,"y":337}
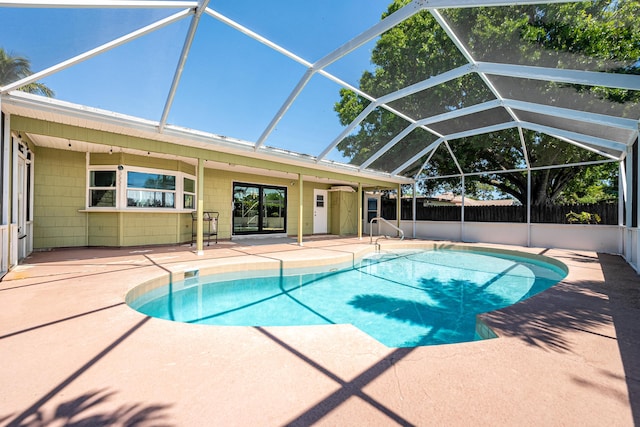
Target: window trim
{"x":121,"y":189}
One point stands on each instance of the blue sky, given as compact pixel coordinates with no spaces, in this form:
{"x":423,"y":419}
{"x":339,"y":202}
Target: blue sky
{"x":232,"y":85}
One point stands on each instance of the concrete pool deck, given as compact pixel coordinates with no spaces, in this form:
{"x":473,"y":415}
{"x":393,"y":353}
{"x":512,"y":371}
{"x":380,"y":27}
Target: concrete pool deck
{"x":72,"y":351}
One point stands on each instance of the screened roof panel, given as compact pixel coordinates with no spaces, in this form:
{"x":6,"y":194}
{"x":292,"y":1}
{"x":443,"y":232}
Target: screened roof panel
{"x":362,"y":151}
{"x":415,"y":168}
{"x":545,"y":150}
{"x":48,"y":36}
{"x":618,"y":103}
{"x":516,"y":35}
{"x":440,"y":163}
{"x":495,"y":151}
{"x":448,"y":96}
{"x":416,"y":141}
{"x":292,"y":24}
{"x":622,"y":136}
{"x":231,"y":84}
{"x":127,"y":78}
{"x":477,"y":120}
{"x":310,"y":121}
{"x":271,"y":74}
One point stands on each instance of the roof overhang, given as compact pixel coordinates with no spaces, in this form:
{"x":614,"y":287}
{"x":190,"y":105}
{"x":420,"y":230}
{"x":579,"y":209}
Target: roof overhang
{"x":55,"y":111}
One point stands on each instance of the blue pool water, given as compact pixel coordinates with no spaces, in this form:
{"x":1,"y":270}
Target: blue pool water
{"x":402,"y":299}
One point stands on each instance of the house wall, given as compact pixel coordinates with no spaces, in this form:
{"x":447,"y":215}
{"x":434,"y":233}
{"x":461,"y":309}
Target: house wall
{"x":59,"y":195}
{"x":62,"y":220}
{"x":218,"y":194}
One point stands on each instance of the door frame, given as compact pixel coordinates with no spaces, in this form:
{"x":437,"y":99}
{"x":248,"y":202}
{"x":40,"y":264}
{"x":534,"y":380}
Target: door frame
{"x":370,"y":211}
{"x":22,"y":198}
{"x":320,"y":214}
{"x":261,"y":208}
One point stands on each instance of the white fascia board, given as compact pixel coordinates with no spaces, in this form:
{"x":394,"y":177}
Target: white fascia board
{"x":101,"y":4}
{"x":591,"y":140}
{"x":583,"y":116}
{"x":182,"y":136}
{"x":68,"y":109}
{"x":589,"y":78}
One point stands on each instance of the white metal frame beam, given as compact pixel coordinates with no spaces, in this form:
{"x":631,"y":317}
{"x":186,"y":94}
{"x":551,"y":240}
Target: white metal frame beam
{"x":99,"y":4}
{"x":560,"y":133}
{"x":186,"y":48}
{"x":567,"y":113}
{"x":580,"y":77}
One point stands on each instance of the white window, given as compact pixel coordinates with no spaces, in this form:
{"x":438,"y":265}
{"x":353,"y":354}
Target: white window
{"x":189,"y":193}
{"x":102,"y":188}
{"x":137,"y":188}
{"x":151,"y":190}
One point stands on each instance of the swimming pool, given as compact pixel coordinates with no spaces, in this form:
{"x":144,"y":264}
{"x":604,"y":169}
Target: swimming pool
{"x":402,"y":298}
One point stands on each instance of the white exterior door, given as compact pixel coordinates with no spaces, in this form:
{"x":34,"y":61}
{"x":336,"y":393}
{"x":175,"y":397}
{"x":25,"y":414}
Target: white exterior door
{"x":20,"y":223}
{"x":320,"y":211}
{"x":23,"y":205}
{"x":371,"y":209}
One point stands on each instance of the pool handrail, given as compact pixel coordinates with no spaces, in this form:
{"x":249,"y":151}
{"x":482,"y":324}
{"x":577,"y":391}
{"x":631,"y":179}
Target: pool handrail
{"x":380,"y":219}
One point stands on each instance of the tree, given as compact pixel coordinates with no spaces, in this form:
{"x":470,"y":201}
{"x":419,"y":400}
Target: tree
{"x":597,"y":35}
{"x":14,"y":68}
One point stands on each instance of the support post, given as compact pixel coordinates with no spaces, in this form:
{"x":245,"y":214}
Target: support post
{"x":200,"y":209}
{"x":462,"y":212}
{"x":399,"y":208}
{"x":633,"y":196}
{"x":414,"y":208}
{"x":628,"y":194}
{"x":5,"y":155}
{"x":622,"y":183}
{"x":529,"y":208}
{"x":360,"y":211}
{"x":300,"y":208}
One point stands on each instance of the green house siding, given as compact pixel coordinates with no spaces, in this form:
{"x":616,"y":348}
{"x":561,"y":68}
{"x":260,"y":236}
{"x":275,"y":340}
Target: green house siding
{"x":103,"y":229}
{"x":61,"y":218}
{"x":152,"y":228}
{"x":59,"y":194}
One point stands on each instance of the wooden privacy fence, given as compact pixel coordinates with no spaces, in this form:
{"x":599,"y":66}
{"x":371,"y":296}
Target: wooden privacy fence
{"x":552,"y":214}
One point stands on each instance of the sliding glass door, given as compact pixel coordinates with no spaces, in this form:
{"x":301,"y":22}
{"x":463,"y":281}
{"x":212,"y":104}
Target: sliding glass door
{"x":259,"y":209}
